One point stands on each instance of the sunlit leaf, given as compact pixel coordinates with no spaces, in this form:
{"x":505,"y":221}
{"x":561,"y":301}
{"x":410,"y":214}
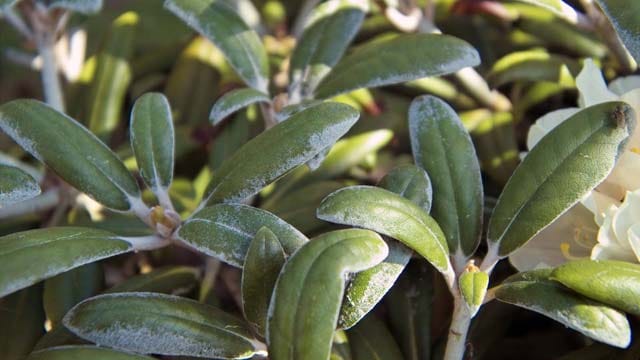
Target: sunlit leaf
{"x":233,"y":101}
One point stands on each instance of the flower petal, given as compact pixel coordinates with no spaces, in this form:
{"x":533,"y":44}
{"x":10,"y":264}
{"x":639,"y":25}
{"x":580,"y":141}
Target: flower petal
{"x":634,"y":239}
{"x":624,"y":177}
{"x":609,"y":247}
{"x":598,"y":202}
{"x":626,"y":216}
{"x":571,"y":236}
{"x":546,"y":123}
{"x":633,"y":98}
{"x":593,"y":90}
{"x":625,"y":84}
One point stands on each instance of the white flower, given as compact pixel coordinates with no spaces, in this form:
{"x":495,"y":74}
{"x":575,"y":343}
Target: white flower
{"x":606,"y":223}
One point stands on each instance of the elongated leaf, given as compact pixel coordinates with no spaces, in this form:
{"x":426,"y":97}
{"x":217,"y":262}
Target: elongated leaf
{"x":112,"y":77}
{"x":63,"y":291}
{"x":333,"y":26}
{"x":71,"y":151}
{"x":378,"y":64}
{"x":304,"y":309}
{"x":21,"y":320}
{"x":442,"y":146}
{"x":278,"y":150}
{"x":556,"y":6}
{"x":565,"y":165}
{"x":262,"y":265}
{"x":16,"y":185}
{"x":233,"y":101}
{"x":368,"y":287}
{"x":58,"y":336}
{"x":153,"y":140}
{"x":410,"y":305}
{"x":77,"y":352}
{"x":411,"y":182}
{"x":389,"y":214}
{"x":30,"y":256}
{"x":534,"y":66}
{"x":168,"y":280}
{"x":625,"y":17}
{"x":549,"y":298}
{"x":81,"y":6}
{"x":616,"y":283}
{"x":224,"y":27}
{"x":473,"y":287}
{"x":371,"y":339}
{"x":225,"y":231}
{"x":160,"y":324}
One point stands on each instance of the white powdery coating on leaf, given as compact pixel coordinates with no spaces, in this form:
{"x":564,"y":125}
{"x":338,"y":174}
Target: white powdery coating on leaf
{"x":25,"y":191}
{"x":24,"y":142}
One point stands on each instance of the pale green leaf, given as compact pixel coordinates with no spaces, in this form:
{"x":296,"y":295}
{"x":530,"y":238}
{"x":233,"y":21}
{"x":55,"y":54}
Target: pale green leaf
{"x":151,"y":323}
{"x":563,"y":167}
{"x":71,"y":151}
{"x":473,"y":288}
{"x":304,"y":309}
{"x":442,"y":146}
{"x":16,"y":185}
{"x":223,"y":26}
{"x":30,"y":256}
{"x":378,"y":64}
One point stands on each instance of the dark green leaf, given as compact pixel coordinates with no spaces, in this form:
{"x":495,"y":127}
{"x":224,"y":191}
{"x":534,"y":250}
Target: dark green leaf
{"x":16,"y":185}
{"x":71,"y":151}
{"x":371,"y":340}
{"x":389,"y":214}
{"x":378,"y":64}
{"x":443,"y":147}
{"x":616,"y":283}
{"x":84,"y":352}
{"x":410,"y":182}
{"x":549,"y":298}
{"x":262,"y":265}
{"x":21,"y":322}
{"x":304,"y":309}
{"x":233,"y":101}
{"x":225,"y":231}
{"x":564,"y":166}
{"x":625,"y":17}
{"x":153,"y":141}
{"x":167,"y":280}
{"x":160,"y":324}
{"x":224,"y":27}
{"x":276,"y":151}
{"x":30,"y":256}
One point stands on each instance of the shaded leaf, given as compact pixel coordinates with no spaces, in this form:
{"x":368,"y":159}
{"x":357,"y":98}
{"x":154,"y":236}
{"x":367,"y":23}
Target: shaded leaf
{"x":223,"y":26}
{"x":21,"y":322}
{"x":16,"y":185}
{"x":371,"y":339}
{"x":564,"y":166}
{"x":51,"y":251}
{"x":304,"y":309}
{"x":442,"y":146}
{"x":233,"y":101}
{"x":625,"y":17}
{"x":71,"y":151}
{"x":167,"y":280}
{"x":82,"y":352}
{"x":378,"y":64}
{"x":225,"y":231}
{"x":160,"y":324}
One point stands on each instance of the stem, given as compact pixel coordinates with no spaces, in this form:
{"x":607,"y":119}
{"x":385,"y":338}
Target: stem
{"x":269,"y":115}
{"x":50,"y":81}
{"x":457,"y":339}
{"x":16,"y":21}
{"x":42,"y":202}
{"x":150,"y":242}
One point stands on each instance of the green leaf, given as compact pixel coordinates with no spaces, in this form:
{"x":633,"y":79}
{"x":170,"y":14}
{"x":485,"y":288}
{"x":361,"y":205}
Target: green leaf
{"x":276,"y":151}
{"x":371,"y":339}
{"x":225,"y":231}
{"x":150,"y":323}
{"x":616,"y":283}
{"x":473,"y":287}
{"x":16,"y":185}
{"x":535,"y":66}
{"x":410,"y":306}
{"x":81,"y":6}
{"x":63,"y":291}
{"x":112,"y":77}
{"x":71,"y":151}
{"x":224,"y":27}
{"x":442,"y":146}
{"x":30,"y":256}
{"x":558,"y":7}
{"x":389,"y":214}
{"x":83,"y":352}
{"x":378,"y":64}
{"x":166,"y":280}
{"x":332,"y":26}
{"x":233,"y":101}
{"x":411,"y":182}
{"x":289,"y":110}
{"x":153,"y":140}
{"x":564,"y":166}
{"x":304,"y":309}
{"x":625,"y":17}
{"x":262,"y":265}
{"x":550,"y":299}
{"x":6,"y":4}
{"x":234,"y":134}
{"x":21,"y":322}
{"x":58,"y":336}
